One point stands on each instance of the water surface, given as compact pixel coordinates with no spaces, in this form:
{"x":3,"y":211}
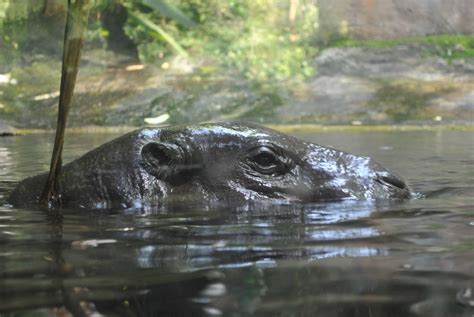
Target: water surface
{"x":412,"y":258}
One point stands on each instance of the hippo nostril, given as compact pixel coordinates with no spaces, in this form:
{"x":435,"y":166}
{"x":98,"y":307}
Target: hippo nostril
{"x":391,"y":181}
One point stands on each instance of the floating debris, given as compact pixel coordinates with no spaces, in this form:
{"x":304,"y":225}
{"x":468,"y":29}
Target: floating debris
{"x":47,"y":96}
{"x":466,"y":297}
{"x":157,"y":120}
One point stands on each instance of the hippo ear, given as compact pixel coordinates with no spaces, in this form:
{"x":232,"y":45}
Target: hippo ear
{"x":167,"y":161}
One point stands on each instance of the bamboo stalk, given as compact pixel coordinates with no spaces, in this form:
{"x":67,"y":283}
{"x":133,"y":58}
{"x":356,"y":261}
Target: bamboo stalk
{"x":76,"y":23}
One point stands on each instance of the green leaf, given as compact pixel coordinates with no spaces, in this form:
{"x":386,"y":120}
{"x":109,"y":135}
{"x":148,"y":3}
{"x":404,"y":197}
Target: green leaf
{"x":170,"y":11}
{"x":143,"y":20}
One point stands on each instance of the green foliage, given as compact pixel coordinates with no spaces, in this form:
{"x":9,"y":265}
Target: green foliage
{"x":446,"y":46}
{"x":153,"y":27}
{"x":400,"y":102}
{"x":11,"y":10}
{"x":253,"y":38}
{"x":147,"y":14}
{"x":169,"y":11}
{"x":453,"y":46}
{"x":256,"y":39}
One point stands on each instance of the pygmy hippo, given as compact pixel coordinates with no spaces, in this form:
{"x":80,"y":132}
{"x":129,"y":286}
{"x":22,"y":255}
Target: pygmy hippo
{"x":226,"y":162}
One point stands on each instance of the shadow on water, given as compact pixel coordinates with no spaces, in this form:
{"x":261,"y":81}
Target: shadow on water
{"x":350,"y":258}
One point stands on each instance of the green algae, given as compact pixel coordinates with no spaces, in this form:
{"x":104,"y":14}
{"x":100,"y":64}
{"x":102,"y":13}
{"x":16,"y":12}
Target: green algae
{"x":402,"y":100}
{"x":447,"y":46}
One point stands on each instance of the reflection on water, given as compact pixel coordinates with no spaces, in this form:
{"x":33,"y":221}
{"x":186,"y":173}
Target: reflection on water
{"x":412,"y":258}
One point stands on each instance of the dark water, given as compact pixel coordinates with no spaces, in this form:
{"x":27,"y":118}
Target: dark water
{"x":414,"y":258}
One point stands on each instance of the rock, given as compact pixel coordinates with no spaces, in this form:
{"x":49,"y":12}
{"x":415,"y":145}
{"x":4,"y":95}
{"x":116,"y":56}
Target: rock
{"x":383,"y":19}
{"x":132,"y":109}
{"x":384,"y":85}
{"x":403,"y":61}
{"x":5,"y":129}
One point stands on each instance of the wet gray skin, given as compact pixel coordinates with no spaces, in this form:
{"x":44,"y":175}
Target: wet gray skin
{"x":213,"y":163}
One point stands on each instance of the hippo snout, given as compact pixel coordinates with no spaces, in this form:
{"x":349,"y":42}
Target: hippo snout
{"x":343,"y":175}
{"x":385,"y":183}
{"x":390,"y":182}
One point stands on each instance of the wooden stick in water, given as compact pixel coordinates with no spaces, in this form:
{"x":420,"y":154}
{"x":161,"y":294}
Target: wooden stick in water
{"x":76,"y":23}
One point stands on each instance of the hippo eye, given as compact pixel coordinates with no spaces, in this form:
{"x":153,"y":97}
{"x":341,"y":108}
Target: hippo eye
{"x":265,"y":161}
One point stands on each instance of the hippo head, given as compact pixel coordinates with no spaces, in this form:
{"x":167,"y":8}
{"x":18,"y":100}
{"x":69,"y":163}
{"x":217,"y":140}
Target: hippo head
{"x":234,"y":162}
{"x":210,"y":163}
